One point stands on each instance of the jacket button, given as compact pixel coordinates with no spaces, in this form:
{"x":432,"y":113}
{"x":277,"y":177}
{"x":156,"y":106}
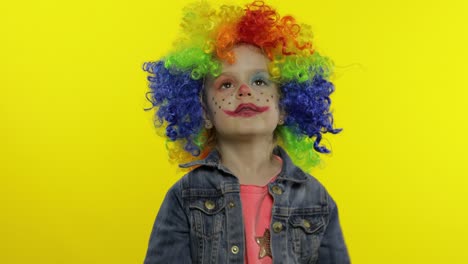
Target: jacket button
{"x":235,"y":249}
{"x":209,"y":204}
{"x":231,"y":204}
{"x":306,"y":223}
{"x":276,"y":189}
{"x":277,"y":227}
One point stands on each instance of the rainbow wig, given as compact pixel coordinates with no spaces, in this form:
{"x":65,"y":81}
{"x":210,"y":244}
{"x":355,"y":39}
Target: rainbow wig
{"x":207,"y":37}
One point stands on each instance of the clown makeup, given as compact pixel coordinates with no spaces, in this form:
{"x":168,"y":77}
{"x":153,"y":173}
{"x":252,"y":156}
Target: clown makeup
{"x":243,"y":99}
{"x":258,"y":82}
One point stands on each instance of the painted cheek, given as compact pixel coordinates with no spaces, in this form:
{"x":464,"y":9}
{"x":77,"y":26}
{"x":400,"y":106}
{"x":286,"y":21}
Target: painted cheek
{"x":223,"y":102}
{"x":228,"y":101}
{"x":213,"y":104}
{"x":266,"y":98}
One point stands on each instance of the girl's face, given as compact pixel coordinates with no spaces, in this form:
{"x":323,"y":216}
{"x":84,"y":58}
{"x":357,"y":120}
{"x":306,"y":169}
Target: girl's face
{"x":242,"y":100}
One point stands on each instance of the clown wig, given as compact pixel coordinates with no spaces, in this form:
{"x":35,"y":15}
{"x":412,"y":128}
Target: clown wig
{"x":207,"y":37}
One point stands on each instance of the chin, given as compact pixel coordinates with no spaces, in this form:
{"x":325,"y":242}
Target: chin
{"x":247,"y":131}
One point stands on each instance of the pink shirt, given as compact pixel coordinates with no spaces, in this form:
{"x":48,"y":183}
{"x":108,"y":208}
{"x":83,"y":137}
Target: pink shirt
{"x":256,"y":208}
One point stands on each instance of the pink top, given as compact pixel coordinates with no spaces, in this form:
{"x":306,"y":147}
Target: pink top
{"x":256,"y":208}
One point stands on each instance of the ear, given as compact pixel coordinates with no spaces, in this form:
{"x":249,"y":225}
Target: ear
{"x":282,"y":117}
{"x":204,"y":108}
{"x":205,"y":113}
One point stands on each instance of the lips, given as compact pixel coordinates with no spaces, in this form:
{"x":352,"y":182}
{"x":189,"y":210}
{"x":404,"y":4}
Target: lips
{"x":247,"y":110}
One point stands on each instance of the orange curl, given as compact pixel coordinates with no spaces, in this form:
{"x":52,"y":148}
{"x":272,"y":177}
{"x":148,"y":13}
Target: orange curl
{"x":225,"y":41}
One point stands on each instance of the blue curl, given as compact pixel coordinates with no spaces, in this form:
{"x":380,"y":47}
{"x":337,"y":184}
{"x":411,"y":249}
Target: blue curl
{"x":176,"y":95}
{"x":307,"y":107}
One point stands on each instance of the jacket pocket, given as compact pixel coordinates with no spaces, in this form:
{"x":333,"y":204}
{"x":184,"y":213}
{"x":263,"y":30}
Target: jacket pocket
{"x":207,"y":214}
{"x":207,"y":220}
{"x":306,"y":231}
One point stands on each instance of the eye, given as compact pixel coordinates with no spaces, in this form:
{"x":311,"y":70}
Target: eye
{"x":225,"y":85}
{"x":260,"y":82}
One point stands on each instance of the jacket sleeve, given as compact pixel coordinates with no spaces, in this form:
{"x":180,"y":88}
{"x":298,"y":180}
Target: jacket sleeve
{"x":333,"y":249}
{"x":170,"y":237}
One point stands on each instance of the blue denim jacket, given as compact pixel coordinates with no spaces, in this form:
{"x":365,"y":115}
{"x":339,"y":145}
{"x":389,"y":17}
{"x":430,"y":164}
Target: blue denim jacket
{"x":200,"y":219}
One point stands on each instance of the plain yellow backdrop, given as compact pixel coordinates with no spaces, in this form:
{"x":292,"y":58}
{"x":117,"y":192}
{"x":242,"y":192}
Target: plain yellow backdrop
{"x":83,"y":173}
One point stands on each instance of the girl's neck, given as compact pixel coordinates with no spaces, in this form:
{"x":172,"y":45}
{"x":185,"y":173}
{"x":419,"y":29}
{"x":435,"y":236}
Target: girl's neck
{"x":251,"y":161}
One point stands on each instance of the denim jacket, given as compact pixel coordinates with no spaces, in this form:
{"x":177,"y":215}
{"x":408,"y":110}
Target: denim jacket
{"x":200,"y":219}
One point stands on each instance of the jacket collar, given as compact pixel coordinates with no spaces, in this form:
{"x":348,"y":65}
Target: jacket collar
{"x":289,"y":171}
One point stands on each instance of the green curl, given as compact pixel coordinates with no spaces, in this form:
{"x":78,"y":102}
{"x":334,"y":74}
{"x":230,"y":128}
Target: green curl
{"x":302,"y":68}
{"x":200,"y":139}
{"x":195,"y":60}
{"x":299,"y":147}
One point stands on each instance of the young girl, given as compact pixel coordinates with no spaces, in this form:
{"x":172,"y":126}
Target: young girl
{"x":242,"y":86}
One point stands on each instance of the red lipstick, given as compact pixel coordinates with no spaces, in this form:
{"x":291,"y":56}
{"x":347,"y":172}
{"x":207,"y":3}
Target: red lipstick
{"x":247,"y":110}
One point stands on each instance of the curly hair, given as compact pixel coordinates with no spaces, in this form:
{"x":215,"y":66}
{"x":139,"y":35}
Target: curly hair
{"x":207,"y":37}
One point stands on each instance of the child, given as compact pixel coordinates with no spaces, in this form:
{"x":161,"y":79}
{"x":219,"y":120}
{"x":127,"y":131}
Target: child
{"x":241,"y":87}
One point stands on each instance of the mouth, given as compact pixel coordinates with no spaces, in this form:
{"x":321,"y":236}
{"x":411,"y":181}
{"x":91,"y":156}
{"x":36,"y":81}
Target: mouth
{"x":246,"y":110}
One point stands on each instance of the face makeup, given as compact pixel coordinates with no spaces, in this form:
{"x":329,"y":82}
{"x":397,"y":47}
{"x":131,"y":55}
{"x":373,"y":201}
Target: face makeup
{"x":243,"y":100}
{"x":246,"y":110}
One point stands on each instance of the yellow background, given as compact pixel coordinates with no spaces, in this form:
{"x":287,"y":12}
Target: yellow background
{"x":83,"y":172}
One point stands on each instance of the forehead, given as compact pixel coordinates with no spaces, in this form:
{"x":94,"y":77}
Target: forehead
{"x":247,"y":58}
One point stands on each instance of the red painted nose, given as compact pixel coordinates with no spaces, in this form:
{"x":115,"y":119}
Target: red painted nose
{"x":244,"y":90}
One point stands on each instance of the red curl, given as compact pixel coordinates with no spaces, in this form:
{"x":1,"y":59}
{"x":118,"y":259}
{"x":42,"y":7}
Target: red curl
{"x":262,"y":26}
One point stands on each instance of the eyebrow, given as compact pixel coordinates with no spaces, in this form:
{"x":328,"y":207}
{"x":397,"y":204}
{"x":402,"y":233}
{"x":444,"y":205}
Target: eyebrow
{"x":231,"y":74}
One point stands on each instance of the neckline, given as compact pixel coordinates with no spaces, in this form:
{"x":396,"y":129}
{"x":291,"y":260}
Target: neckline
{"x":272,"y":178}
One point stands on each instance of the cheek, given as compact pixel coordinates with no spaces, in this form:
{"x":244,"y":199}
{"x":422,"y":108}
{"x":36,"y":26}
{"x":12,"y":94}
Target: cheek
{"x":268,"y":98}
{"x":219,"y":102}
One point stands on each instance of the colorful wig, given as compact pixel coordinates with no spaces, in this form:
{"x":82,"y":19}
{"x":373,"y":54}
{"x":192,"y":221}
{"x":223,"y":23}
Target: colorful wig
{"x":207,"y":37}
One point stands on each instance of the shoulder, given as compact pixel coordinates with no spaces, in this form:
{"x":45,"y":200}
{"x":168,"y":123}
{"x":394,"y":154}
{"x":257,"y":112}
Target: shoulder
{"x":202,"y":177}
{"x":326,"y":196}
{"x":311,"y":191}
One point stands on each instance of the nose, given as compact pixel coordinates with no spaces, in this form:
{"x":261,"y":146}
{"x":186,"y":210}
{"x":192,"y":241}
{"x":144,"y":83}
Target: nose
{"x":244,"y":90}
